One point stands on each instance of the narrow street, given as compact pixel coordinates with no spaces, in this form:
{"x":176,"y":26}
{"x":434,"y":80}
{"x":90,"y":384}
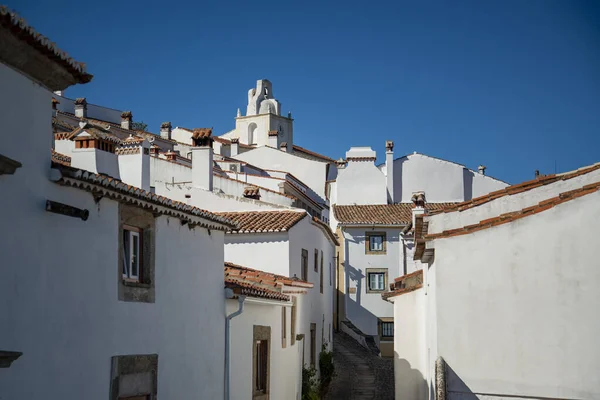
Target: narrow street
{"x":359,"y":374}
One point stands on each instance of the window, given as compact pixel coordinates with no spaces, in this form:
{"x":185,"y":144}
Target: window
{"x":261,"y":354}
{"x":387,"y":329}
{"x":313,"y":344}
{"x":252,"y":133}
{"x":132,"y":248}
{"x":316,"y":260}
{"x":135,"y":261}
{"x":376,"y":279}
{"x":304,"y":265}
{"x":375,"y":243}
{"x":134,"y":377}
{"x":283,"y":327}
{"x":262,"y":362}
{"x":321,"y":273}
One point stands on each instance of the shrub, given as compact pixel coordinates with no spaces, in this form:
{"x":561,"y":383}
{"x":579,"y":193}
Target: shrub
{"x":309,"y":383}
{"x":326,"y":366}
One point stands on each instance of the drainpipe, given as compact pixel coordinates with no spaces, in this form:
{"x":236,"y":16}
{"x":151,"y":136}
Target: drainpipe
{"x":229,"y":295}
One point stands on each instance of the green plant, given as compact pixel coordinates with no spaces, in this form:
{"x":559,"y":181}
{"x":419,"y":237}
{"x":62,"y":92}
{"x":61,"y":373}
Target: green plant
{"x":309,"y":383}
{"x":139,"y":126}
{"x":326,"y":366}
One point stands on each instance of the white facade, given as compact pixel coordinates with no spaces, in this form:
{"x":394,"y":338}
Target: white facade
{"x":512,"y":309}
{"x":59,"y":280}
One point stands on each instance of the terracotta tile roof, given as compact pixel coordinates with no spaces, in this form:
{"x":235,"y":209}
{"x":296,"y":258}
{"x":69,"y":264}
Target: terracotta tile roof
{"x":515,"y":215}
{"x":251,"y":191}
{"x":405,"y":284}
{"x":61,"y":158}
{"x":361,"y":159}
{"x":380,"y":214}
{"x":312,"y":153}
{"x":95,"y":131}
{"x":263,"y":221}
{"x":268,"y":279}
{"x":20,"y":30}
{"x":253,"y":290}
{"x":327,"y":230}
{"x":518,"y":188}
{"x":201,"y":133}
{"x":59,"y":126}
{"x":273,"y":133}
{"x":102,"y":185}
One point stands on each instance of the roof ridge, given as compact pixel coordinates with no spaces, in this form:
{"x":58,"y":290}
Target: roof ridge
{"x":515,"y":215}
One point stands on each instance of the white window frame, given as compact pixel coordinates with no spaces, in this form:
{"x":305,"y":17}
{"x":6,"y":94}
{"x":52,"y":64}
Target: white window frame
{"x":373,"y":245}
{"x":378,"y":281}
{"x":128,"y":255}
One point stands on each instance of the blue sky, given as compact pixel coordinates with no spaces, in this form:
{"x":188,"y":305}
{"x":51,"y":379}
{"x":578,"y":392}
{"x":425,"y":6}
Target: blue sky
{"x":513,"y":85}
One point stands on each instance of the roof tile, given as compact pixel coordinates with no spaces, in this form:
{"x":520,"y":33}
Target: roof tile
{"x":380,"y":214}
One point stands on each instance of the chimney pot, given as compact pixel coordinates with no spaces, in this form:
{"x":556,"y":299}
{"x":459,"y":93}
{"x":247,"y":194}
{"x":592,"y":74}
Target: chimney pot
{"x":126,"y":120}
{"x":481,"y":169}
{"x":389,"y":170}
{"x":283,"y":146}
{"x":165,"y":130}
{"x":537,"y":173}
{"x":235,"y":147}
{"x":81,"y":107}
{"x":389,"y":145}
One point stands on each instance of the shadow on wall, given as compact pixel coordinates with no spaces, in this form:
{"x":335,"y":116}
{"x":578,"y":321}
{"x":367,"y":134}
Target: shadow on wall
{"x":456,"y":388}
{"x":410,"y":383}
{"x":468,"y":183}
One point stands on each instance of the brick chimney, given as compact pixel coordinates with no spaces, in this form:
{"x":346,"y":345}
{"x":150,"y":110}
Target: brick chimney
{"x":272,"y":140}
{"x":389,"y":169}
{"x":235,"y":147}
{"x":202,"y":158}
{"x":165,"y":130}
{"x":81,"y":107}
{"x":126,"y":120}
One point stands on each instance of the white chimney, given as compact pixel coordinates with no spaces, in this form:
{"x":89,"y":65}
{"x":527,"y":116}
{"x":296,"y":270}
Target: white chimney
{"x":134,"y":162}
{"x":126,"y":120}
{"x":418,"y":199}
{"x":481,"y":169}
{"x":81,"y":107}
{"x":165,"y":130}
{"x":272,"y":141}
{"x":202,"y":159}
{"x":389,"y":168}
{"x":235,"y":147}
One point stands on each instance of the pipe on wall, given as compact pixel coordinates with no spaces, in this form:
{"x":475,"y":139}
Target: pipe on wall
{"x":229,"y":295}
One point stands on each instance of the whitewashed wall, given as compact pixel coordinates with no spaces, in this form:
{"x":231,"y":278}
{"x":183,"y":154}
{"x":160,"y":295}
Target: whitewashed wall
{"x":236,"y":188}
{"x":363,"y":308}
{"x":361,"y":182}
{"x":64,"y":314}
{"x":410,"y":357}
{"x":517,"y":305}
{"x":312,"y":173}
{"x":317,"y":307}
{"x":166,"y":171}
{"x":285,"y":363}
{"x":93,"y":111}
{"x":267,"y":252}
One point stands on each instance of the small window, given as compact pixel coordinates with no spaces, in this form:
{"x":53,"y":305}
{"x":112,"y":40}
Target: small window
{"x":313,"y":344}
{"x":316,"y":260}
{"x":375,"y":243}
{"x":262,"y":363}
{"x":376,"y":279}
{"x":132,"y":249}
{"x":387,"y":329}
{"x":304,"y":274}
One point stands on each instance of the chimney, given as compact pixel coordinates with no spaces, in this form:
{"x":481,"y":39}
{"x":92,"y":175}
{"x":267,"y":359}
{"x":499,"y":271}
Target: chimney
{"x":537,"y":173}
{"x":418,"y":199}
{"x":165,"y":130}
{"x":134,"y":162}
{"x":235,"y":147}
{"x":481,"y":169}
{"x":283,"y":146}
{"x":272,"y":141}
{"x":340,"y":163}
{"x":81,"y":107}
{"x":126,"y":120}
{"x":389,"y":169}
{"x":202,"y":159}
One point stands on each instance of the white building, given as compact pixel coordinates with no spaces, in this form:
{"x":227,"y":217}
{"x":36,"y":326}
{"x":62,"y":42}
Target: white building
{"x":102,"y":294}
{"x":263,"y":308}
{"x":505,"y":301}
{"x":296,"y":245}
{"x":373,"y":209}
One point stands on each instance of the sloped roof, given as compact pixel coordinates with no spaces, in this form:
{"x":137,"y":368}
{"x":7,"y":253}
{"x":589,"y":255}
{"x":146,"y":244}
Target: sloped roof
{"x":263,"y":221}
{"x":518,"y":188}
{"x":14,"y":32}
{"x":61,"y":159}
{"x":380,"y":214}
{"x":312,"y":153}
{"x":235,"y":271}
{"x":113,"y":188}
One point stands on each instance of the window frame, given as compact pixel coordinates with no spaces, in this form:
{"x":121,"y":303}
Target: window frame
{"x":304,"y":265}
{"x":383,"y":323}
{"x":368,"y":236}
{"x":378,"y":271}
{"x":262,"y":366}
{"x":130,"y":232}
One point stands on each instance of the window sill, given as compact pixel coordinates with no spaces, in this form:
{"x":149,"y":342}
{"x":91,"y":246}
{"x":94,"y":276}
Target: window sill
{"x":136,"y":284}
{"x":375,"y":253}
